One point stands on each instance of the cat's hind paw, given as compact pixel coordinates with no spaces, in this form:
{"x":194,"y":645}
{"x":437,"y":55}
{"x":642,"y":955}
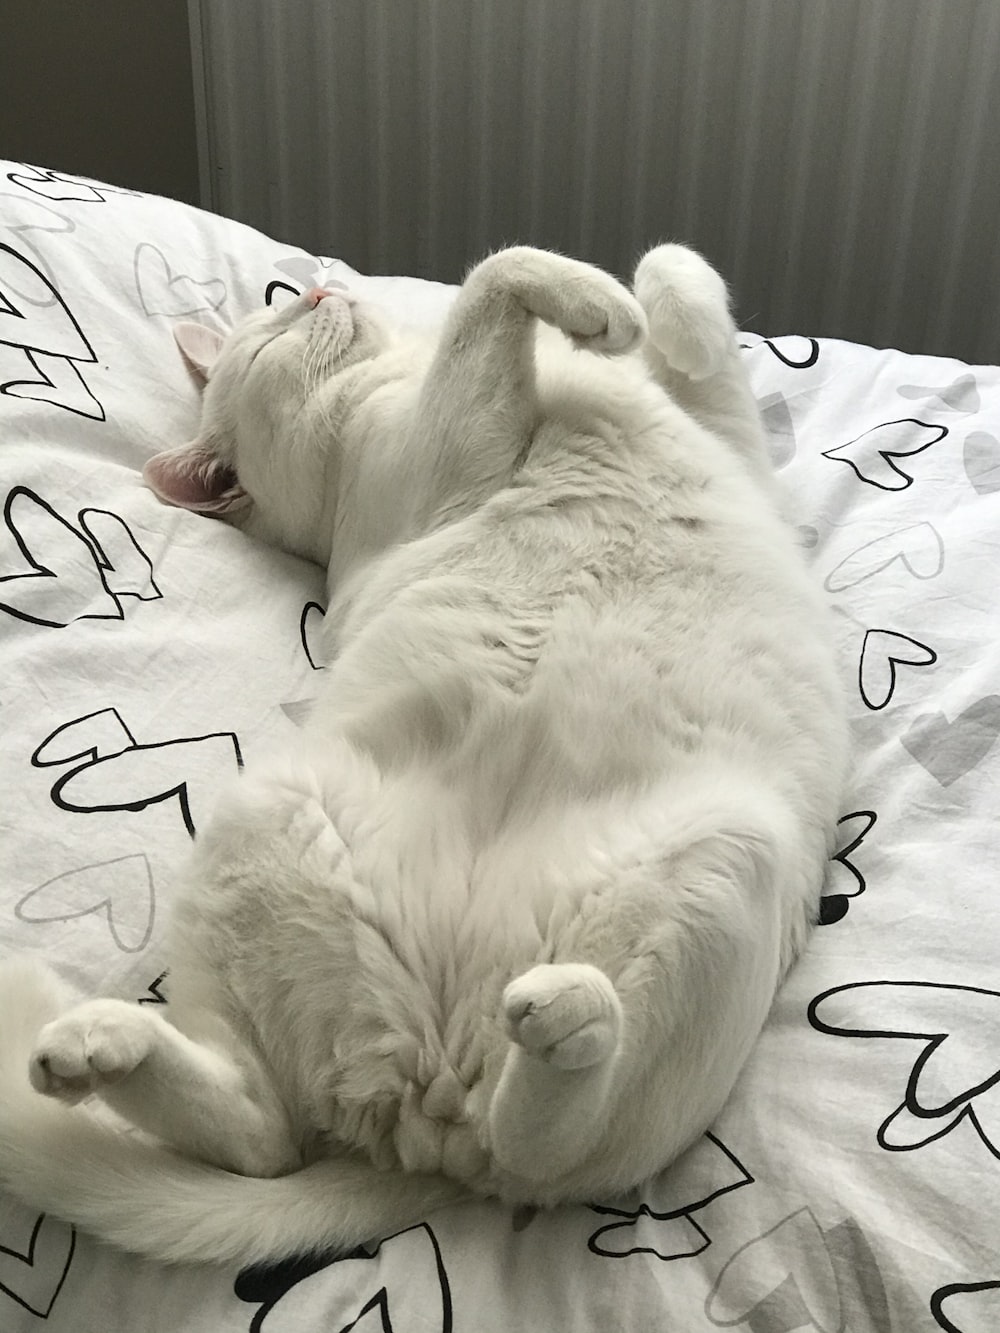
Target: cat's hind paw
{"x":687,"y":306}
{"x":567,"y":1014}
{"x":98,"y":1042}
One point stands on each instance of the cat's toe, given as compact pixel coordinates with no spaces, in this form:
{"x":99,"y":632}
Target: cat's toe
{"x":92,"y":1045}
{"x":567,"y":1014}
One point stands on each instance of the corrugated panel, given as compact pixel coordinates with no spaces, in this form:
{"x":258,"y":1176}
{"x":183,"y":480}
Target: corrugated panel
{"x":835,"y":158}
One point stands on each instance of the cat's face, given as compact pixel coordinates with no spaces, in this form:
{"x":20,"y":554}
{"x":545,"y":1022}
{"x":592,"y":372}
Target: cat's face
{"x":267,"y":441}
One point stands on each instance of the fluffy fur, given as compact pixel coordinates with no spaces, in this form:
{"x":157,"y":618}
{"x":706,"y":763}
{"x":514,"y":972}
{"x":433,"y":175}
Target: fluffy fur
{"x":510,"y":918}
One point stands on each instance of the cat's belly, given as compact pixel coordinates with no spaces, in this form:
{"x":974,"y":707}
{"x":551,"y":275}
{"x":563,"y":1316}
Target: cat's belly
{"x":343,"y":929}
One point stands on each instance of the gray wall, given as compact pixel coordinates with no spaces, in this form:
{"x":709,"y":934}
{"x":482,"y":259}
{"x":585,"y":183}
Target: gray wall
{"x":836,"y":158}
{"x":101,"y":88}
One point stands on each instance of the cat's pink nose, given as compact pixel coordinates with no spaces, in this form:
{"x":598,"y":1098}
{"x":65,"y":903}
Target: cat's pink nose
{"x":315,"y":295}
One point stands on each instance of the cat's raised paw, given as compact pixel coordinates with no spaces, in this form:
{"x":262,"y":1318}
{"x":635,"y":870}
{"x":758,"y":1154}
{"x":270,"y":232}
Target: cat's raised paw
{"x":567,"y":1014}
{"x":687,"y":305}
{"x":96,"y":1043}
{"x":597,"y":314}
{"x":593,"y":309}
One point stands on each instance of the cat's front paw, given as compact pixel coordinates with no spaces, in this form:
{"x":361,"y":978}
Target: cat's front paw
{"x":593,"y":309}
{"x":96,"y":1043}
{"x":567,"y":1014}
{"x":610,"y":326}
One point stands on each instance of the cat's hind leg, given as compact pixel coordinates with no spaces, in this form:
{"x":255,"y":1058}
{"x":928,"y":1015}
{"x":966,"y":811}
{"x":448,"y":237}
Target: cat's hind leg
{"x":692,"y":349}
{"x":199,"y":1097}
{"x":564,"y":1021}
{"x":623,"y":1049}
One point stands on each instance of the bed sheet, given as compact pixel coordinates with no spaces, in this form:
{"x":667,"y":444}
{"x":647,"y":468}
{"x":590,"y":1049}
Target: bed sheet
{"x":146,"y":653}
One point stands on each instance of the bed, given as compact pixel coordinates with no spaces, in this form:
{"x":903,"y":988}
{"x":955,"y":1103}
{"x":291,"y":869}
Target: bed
{"x":146,"y":654}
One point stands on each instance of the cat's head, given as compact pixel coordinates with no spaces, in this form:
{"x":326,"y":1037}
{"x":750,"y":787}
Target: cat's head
{"x":265,"y":455}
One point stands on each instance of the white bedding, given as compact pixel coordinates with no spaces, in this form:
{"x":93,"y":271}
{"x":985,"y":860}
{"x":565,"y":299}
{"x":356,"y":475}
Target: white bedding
{"x":851,"y":1184}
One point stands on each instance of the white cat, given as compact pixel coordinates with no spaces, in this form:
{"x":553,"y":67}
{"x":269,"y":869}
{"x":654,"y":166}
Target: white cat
{"x":510,"y":917}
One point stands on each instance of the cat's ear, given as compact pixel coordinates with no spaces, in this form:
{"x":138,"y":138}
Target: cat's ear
{"x":199,"y":346}
{"x":194,"y":477}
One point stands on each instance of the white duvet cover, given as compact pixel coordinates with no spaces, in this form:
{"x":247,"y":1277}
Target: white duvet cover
{"x":851,"y":1184}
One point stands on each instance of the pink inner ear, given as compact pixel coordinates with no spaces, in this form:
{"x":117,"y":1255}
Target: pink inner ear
{"x":200,"y":346}
{"x":192,"y":477}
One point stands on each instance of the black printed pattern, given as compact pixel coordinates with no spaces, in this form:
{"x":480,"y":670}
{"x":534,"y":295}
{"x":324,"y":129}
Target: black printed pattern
{"x":881,"y":653}
{"x":118,"y":773}
{"x":397,"y":1286}
{"x":955,"y":1069}
{"x":662,"y":1223}
{"x":875,"y":456}
{"x":967,"y":1307}
{"x":846,"y":880}
{"x":48,"y":344}
{"x":920,"y":1056}
{"x":75,"y":573}
{"x":58,"y":186}
{"x":32,"y":1274}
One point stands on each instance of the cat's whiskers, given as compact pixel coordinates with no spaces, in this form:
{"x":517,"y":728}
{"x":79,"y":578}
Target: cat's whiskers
{"x":322,"y":360}
{"x":314,"y":358}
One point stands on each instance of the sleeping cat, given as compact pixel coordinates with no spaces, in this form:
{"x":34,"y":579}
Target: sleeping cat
{"x":509,"y":918}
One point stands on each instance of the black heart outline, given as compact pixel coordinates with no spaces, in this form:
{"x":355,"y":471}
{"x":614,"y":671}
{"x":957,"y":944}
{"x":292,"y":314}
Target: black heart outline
{"x":888,"y":455}
{"x":93,"y":760}
{"x":628,"y":1217}
{"x":39,"y":570}
{"x":314,"y":278}
{"x":102,"y":564}
{"x":90,"y":753}
{"x":810,"y":360}
{"x":105,"y":565}
{"x":32,"y":352}
{"x":833,"y":907}
{"x":29,"y":1259}
{"x":270,"y":1283}
{"x":961,"y":1103}
{"x":153,"y":993}
{"x":894,"y":660}
{"x":143,"y":803}
{"x":45,"y":381}
{"x":90,"y":358}
{"x":303,"y":636}
{"x":45,"y":177}
{"x":277,"y":285}
{"x":954,"y":1289}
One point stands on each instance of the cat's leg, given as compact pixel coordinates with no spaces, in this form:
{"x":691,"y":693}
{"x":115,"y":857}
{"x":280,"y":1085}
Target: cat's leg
{"x":212,"y":1101}
{"x":616,"y":1064}
{"x":692,"y":349}
{"x":564,"y":1021}
{"x":478,"y":406}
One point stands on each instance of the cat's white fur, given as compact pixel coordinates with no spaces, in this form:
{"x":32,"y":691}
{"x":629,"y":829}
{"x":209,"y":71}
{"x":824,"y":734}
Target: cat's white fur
{"x":510,"y":916}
